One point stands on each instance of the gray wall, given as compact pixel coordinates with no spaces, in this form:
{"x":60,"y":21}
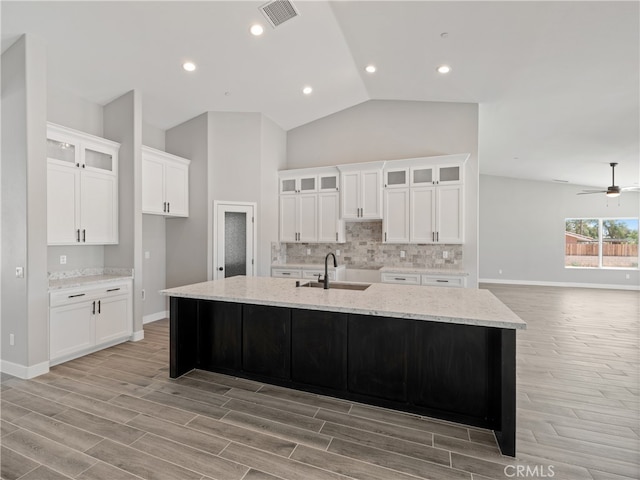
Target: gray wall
{"x":187,"y":238}
{"x":522,"y":231}
{"x":24,"y":306}
{"x":389,"y":130}
{"x":123,"y":124}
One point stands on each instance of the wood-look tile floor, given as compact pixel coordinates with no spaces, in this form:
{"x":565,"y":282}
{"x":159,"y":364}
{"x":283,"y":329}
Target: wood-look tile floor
{"x":116,"y":415}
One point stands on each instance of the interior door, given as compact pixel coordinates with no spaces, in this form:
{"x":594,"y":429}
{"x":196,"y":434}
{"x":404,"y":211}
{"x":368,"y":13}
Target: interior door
{"x":234,"y":235}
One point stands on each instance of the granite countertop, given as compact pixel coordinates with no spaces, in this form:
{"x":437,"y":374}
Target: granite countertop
{"x":424,"y":271}
{"x":441,"y":304}
{"x":87,"y":277}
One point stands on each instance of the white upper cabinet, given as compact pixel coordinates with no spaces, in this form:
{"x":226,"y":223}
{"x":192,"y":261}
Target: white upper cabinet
{"x":424,"y":200}
{"x":82,"y":188}
{"x":309,"y":206}
{"x":361,"y":191}
{"x":165,"y":183}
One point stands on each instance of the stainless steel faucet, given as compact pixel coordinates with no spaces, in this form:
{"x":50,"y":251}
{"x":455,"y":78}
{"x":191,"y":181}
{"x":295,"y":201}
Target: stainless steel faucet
{"x":326,"y":269}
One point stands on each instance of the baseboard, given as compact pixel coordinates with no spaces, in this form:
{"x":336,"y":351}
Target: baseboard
{"x":606,"y":286}
{"x":154,"y":317}
{"x":22,"y":371}
{"x":137,"y":336}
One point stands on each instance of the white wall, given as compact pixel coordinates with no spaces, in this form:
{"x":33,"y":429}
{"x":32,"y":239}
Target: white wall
{"x":522,"y":231}
{"x":24,"y":209}
{"x":388,"y":130}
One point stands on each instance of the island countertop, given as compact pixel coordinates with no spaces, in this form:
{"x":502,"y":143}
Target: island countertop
{"x":439,"y":304}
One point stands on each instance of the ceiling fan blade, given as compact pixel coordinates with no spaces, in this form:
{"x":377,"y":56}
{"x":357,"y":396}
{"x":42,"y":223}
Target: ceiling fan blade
{"x":589,"y":192}
{"x":630,"y":189}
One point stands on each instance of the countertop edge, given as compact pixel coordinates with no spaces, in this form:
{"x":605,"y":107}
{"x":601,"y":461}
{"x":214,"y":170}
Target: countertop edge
{"x":401,"y":315}
{"x":78,"y":282}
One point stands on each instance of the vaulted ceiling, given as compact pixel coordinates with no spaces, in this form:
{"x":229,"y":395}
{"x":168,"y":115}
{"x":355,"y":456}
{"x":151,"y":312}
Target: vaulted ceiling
{"x":557,"y":82}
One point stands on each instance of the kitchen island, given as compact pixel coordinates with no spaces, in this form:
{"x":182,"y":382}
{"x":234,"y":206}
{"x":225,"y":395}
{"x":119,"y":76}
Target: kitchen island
{"x":442,"y":352}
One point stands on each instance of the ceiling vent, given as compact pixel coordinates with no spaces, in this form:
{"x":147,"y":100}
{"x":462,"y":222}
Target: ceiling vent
{"x":278,"y":12}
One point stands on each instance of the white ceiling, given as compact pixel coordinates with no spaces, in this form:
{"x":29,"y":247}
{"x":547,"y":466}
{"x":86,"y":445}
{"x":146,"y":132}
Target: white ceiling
{"x":557,"y":82}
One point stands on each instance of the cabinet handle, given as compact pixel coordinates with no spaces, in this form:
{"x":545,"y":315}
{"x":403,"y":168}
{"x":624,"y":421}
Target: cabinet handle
{"x":400,"y":278}
{"x":77,"y":165}
{"x":336,"y":236}
{"x":168,"y":207}
{"x":385,"y":236}
{"x":78,"y":234}
{"x":84,"y":235}
{"x":98,"y":306}
{"x":84,"y":165}
{"x":286,"y":273}
{"x":164,"y":207}
{"x":76,"y":295}
{"x":442,"y":281}
{"x":437,"y":236}
{"x":433,"y":236}
{"x":93,"y":311}
{"x":113,"y":289}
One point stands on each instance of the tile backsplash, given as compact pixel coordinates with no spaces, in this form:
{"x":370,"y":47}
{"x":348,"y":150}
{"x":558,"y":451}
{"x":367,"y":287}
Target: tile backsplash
{"x":364,"y":249}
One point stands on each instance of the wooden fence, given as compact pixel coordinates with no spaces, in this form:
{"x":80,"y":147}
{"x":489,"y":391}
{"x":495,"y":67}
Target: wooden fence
{"x":608,"y":249}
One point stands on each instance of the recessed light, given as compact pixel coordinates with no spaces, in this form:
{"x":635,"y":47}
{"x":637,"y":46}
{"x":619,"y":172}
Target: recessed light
{"x":370,"y":68}
{"x":189,"y":66}
{"x":256,"y":29}
{"x":444,"y":69}
{"x":307,"y":90}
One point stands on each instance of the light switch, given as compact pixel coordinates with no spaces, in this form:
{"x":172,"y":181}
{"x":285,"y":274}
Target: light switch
{"x":63,"y":259}
{"x":19,"y":272}
{"x":402,"y":253}
{"x":445,"y":254}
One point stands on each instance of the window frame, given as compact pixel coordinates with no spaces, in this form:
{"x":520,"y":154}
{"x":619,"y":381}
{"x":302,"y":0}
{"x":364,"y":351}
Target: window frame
{"x":600,"y":265}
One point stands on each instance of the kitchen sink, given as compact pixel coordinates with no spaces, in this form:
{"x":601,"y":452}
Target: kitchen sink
{"x":338,"y":285}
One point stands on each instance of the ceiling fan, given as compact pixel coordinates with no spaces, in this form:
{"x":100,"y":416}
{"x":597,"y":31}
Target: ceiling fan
{"x":613,"y":190}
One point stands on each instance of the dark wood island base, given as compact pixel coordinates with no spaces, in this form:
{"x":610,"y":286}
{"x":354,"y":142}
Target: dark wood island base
{"x":457,"y":372}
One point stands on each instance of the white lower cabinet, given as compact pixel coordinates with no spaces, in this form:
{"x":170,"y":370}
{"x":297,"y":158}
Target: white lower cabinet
{"x":433,"y":280}
{"x":85,"y":319}
{"x":308,"y":273}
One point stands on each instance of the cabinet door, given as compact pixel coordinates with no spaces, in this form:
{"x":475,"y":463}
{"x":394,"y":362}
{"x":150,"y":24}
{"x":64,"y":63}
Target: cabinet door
{"x":70,"y":330}
{"x":266,"y":341}
{"x":396,"y":215}
{"x":423,"y":209}
{"x":98,"y":208}
{"x":153,"y":186}
{"x":288,"y":218}
{"x":63,"y":201}
{"x":328,"y":182}
{"x":449,"y":227}
{"x":113,"y":319}
{"x":451,"y":367}
{"x":308,"y":218}
{"x":220,"y":336}
{"x":423,"y":176}
{"x":449,"y":174}
{"x":371,"y":194}
{"x":176,"y":182}
{"x":350,"y":195}
{"x":378,"y":349}
{"x":328,"y":217}
{"x":319,"y":348}
{"x":396,"y":178}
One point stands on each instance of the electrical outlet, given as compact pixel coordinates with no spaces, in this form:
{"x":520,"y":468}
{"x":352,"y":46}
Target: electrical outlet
{"x":12,"y":339}
{"x":19,"y":272}
{"x":402,"y":253}
{"x":445,"y":254}
{"x":63,"y":259}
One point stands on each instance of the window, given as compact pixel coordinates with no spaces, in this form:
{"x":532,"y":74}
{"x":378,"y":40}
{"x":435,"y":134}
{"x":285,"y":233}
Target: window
{"x":601,"y":242}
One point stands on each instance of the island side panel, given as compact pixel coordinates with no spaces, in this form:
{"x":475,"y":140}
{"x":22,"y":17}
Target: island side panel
{"x":220,"y":336}
{"x":506,"y":432}
{"x":183,"y":336}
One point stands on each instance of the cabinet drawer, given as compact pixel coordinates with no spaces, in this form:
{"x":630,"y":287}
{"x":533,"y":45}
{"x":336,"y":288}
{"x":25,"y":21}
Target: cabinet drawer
{"x":285,"y":272}
{"x":313,"y":274}
{"x":405,"y":279}
{"x":77,"y":295}
{"x":443,"y":281}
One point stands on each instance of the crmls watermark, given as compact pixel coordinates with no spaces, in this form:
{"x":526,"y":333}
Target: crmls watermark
{"x":529,"y":471}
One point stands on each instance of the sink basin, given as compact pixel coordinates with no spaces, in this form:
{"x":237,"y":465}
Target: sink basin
{"x":338,"y":285}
